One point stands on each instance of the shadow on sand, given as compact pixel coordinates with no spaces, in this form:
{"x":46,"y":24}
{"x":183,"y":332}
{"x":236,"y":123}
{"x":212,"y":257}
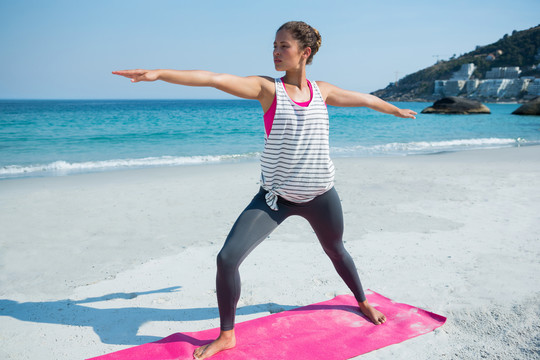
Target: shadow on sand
{"x":117,"y":325}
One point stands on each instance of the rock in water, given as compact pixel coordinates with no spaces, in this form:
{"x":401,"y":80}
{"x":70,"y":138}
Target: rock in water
{"x":456,"y":105}
{"x":530,"y":108}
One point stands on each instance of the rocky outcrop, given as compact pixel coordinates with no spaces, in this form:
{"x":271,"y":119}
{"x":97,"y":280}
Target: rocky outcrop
{"x":530,"y":108}
{"x":456,"y":105}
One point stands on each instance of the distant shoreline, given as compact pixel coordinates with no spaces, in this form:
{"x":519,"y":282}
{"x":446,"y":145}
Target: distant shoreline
{"x":431,"y":100}
{"x":389,"y":99}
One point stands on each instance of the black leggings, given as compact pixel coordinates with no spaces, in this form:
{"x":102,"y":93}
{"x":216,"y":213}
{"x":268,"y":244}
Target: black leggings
{"x":257,"y":221}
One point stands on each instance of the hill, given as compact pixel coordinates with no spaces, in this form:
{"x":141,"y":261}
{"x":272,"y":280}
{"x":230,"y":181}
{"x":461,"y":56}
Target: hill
{"x":521,"y":48}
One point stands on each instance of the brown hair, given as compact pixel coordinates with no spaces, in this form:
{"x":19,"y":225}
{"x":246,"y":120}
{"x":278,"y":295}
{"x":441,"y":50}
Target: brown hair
{"x":306,"y":36}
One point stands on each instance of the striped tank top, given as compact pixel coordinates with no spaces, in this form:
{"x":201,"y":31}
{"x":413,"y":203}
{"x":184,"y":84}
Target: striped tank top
{"x":295,"y":163}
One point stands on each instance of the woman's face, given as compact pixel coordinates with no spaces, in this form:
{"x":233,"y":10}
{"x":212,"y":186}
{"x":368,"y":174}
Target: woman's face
{"x":287,"y":53}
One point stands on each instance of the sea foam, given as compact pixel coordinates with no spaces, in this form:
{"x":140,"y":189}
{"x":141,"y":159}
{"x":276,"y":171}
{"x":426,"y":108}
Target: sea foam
{"x":64,"y":167}
{"x":426,"y":147}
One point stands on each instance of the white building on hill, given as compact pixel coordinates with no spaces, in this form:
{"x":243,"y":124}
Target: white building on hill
{"x":464,"y":72}
{"x":503,"y":73}
{"x":500,"y":83}
{"x":457,"y":82}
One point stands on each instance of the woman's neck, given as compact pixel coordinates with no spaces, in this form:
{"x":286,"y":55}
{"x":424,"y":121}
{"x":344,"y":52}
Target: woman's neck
{"x":297,"y":86}
{"x":296,"y":78}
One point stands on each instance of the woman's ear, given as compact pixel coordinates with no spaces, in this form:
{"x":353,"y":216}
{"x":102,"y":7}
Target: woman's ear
{"x":306,"y":52}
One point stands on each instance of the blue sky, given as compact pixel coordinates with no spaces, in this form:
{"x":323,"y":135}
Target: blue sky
{"x":65,"y":49}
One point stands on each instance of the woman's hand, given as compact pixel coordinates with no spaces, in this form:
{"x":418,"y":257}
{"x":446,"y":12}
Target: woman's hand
{"x":406,"y":113}
{"x":139,"y":74}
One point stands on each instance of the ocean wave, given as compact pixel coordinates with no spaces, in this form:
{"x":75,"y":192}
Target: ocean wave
{"x":389,"y":149}
{"x":64,"y":167}
{"x":427,"y":147}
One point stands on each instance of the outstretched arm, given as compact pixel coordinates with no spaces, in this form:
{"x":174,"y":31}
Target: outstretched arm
{"x":250,"y":87}
{"x":336,"y":96}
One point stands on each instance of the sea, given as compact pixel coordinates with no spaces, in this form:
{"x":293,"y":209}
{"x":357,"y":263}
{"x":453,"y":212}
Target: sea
{"x":64,"y":137}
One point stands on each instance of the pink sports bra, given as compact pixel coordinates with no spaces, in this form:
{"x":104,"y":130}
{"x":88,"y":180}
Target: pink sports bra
{"x":271,"y":112}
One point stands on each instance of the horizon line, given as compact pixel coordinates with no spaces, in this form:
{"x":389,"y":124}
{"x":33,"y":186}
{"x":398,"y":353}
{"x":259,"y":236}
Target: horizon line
{"x":117,"y":99}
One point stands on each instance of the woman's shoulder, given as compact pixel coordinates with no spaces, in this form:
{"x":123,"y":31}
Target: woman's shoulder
{"x":324,"y":88}
{"x":266,"y":82}
{"x":266,"y":79}
{"x":322,"y":84}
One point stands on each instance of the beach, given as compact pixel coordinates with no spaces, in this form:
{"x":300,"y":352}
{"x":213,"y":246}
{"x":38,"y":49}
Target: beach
{"x":94,"y":263}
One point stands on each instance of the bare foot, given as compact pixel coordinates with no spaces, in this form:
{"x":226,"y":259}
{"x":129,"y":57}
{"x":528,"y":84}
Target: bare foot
{"x":373,"y":314}
{"x":225,"y":341}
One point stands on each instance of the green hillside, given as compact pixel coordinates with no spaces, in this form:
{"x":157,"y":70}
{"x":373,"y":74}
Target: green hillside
{"x":521,"y":48}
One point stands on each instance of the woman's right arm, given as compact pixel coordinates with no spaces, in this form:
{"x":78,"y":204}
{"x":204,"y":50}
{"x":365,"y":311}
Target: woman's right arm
{"x":250,"y":87}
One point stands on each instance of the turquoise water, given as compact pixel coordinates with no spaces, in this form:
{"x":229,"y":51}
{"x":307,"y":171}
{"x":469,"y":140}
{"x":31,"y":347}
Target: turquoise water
{"x":56,"y":137}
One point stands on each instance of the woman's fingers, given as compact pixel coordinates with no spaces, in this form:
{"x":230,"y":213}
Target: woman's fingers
{"x":128,"y":73}
{"x":135,"y":75}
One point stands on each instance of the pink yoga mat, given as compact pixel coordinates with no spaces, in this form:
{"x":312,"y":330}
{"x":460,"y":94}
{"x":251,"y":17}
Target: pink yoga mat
{"x":330,"y":330}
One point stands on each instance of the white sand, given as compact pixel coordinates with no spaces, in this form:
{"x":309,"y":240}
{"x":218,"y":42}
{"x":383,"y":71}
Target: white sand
{"x":98,"y":262}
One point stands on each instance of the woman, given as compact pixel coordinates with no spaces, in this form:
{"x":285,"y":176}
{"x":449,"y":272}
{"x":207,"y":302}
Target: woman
{"x":297,"y":174}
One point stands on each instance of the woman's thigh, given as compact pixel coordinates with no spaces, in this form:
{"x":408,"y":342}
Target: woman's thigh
{"x":253,"y":225}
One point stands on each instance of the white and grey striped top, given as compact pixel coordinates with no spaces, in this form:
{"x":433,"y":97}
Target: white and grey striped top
{"x":295,"y":163}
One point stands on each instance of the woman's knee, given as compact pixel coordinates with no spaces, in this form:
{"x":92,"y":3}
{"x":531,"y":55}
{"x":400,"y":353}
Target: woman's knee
{"x":226,"y":261}
{"x":335,"y":249}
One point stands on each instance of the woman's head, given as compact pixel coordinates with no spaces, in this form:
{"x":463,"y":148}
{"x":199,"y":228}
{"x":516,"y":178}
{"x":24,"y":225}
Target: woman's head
{"x":305,"y":35}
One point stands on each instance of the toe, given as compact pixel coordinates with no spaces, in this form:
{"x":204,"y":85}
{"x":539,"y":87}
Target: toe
{"x":198,"y":352}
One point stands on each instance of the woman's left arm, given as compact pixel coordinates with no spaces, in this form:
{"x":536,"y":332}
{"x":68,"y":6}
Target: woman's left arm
{"x":336,"y":96}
